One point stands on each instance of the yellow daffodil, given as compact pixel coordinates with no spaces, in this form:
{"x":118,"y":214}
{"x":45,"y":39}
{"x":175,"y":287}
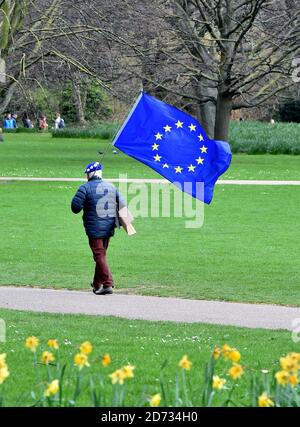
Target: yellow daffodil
{"x":81,"y":360}
{"x":86,"y":347}
{"x":216,"y":353}
{"x":106,"y":360}
{"x":264,"y":401}
{"x":155,"y":400}
{"x":293,"y":380}
{"x":47,"y":357}
{"x":295,"y":356}
{"x":3,"y":360}
{"x":234,"y":355}
{"x":117,"y":377}
{"x":128,"y":371}
{"x":236,"y":371}
{"x":282,"y":377}
{"x":226,"y":350}
{"x":32,"y":343}
{"x":185,"y":363}
{"x":53,"y":344}
{"x":290,"y":363}
{"x":218,"y":383}
{"x":4,"y":374}
{"x":52,"y":388}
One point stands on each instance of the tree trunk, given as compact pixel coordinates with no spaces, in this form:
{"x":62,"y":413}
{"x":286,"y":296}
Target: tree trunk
{"x":6,"y":94}
{"x":223,"y":113}
{"x":78,"y":104}
{"x":207,"y":110}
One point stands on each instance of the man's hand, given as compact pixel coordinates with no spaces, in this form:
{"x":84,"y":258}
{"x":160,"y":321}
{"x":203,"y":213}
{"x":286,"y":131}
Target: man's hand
{"x":79,"y":200}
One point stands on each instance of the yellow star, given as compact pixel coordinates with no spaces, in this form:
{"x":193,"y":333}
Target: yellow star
{"x":167,"y":128}
{"x":192,"y":168}
{"x":178,"y":169}
{"x":179,"y":124}
{"x":201,"y":138}
{"x":157,"y":158}
{"x":166,"y":166}
{"x":203,"y":149}
{"x":158,"y":136}
{"x":192,"y":127}
{"x":200,"y":161}
{"x":155,"y":147}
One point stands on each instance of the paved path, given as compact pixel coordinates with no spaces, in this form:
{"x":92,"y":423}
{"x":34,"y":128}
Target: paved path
{"x":152,"y":181}
{"x":149,"y":308}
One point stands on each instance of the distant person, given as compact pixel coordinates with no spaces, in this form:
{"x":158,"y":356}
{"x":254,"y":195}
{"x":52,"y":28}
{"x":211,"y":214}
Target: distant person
{"x":27,"y":122}
{"x":1,"y":136}
{"x":272,"y":121}
{"x":8,"y":122}
{"x":14,"y":118}
{"x":43,"y":125}
{"x":59,"y":122}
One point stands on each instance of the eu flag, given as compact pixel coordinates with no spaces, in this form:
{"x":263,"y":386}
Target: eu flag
{"x":173,"y":144}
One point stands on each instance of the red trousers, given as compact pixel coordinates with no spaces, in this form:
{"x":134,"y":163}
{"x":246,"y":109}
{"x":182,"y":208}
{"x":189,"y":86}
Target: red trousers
{"x":102,"y":273}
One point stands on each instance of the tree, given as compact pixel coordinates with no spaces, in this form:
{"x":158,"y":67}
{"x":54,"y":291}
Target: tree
{"x":227,"y":54}
{"x":11,"y":21}
{"x":37,"y":38}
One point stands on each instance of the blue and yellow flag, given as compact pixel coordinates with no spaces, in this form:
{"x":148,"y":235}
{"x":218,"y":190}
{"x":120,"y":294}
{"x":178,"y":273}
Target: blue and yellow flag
{"x":173,"y":144}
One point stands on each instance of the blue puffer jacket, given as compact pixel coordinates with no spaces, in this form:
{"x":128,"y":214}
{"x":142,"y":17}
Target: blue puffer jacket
{"x":100,"y":201}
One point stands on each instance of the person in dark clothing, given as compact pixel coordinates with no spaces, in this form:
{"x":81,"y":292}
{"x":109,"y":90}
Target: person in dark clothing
{"x":27,"y":122}
{"x":14,"y":118}
{"x":100,"y":202}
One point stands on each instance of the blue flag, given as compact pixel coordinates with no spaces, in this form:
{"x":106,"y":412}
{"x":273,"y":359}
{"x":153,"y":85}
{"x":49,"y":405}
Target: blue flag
{"x":175,"y":145}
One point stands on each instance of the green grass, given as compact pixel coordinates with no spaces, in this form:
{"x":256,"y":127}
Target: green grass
{"x":147,"y":345}
{"x":101,"y":131}
{"x":247,"y":250}
{"x":259,"y":138}
{"x":40,"y":155}
{"x":251,"y":137}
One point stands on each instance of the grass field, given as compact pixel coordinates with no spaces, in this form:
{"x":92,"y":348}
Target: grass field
{"x":146,"y":345}
{"x":254,"y":137}
{"x":40,"y":155}
{"x":247,"y":250}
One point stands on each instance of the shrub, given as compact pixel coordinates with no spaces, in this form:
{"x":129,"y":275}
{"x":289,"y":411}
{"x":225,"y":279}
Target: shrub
{"x":264,"y":138}
{"x":104,"y":131}
{"x":22,"y":130}
{"x":290,"y":112}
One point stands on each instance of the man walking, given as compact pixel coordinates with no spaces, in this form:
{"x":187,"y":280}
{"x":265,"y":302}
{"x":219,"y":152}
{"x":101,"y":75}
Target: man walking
{"x":100,"y":202}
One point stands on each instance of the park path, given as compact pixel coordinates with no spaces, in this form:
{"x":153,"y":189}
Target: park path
{"x":151,"y":181}
{"x":149,"y":308}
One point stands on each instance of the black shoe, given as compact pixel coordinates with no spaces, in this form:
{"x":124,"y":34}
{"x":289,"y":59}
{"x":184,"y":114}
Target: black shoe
{"x":104,"y":291}
{"x":93,"y":287}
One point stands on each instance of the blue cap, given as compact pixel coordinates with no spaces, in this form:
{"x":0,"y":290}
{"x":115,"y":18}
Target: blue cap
{"x":92,"y":167}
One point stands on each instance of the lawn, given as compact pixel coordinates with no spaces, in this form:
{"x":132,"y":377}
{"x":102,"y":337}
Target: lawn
{"x":40,"y":155}
{"x":146,"y":345}
{"x":247,"y":250}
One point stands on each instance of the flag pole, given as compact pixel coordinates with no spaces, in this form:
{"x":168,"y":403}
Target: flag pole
{"x":136,"y":102}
